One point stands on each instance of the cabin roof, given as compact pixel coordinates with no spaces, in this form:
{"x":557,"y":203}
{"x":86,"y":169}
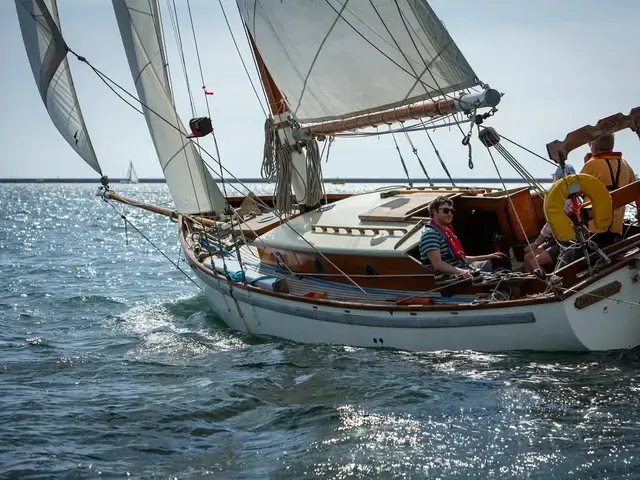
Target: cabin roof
{"x":361,"y":224}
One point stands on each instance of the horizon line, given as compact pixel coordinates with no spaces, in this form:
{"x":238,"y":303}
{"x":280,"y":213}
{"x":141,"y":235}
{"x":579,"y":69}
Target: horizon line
{"x":492,"y":180}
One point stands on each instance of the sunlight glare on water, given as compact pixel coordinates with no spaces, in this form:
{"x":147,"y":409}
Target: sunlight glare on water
{"x":112,"y":364}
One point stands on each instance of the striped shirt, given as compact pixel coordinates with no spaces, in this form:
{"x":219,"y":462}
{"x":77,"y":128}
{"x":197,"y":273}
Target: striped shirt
{"x":430,"y":240}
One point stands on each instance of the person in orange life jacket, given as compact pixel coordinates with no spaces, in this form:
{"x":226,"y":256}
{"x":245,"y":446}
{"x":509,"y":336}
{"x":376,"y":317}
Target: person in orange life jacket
{"x":441,"y":250}
{"x":545,"y":250}
{"x":611,"y":169}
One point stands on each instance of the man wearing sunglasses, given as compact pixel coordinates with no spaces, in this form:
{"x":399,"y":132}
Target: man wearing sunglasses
{"x":441,"y":250}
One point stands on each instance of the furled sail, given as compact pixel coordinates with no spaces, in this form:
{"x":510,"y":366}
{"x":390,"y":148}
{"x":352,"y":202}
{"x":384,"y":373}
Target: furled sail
{"x":47,"y":52}
{"x":190,"y":183}
{"x":338,"y":58}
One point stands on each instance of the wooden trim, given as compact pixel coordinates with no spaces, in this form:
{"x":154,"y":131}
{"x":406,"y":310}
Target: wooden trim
{"x":622,"y":196}
{"x":559,"y":150}
{"x":397,"y":270}
{"x":570,"y":272}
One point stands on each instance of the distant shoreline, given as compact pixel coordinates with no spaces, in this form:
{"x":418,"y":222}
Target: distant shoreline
{"x":261,"y":180}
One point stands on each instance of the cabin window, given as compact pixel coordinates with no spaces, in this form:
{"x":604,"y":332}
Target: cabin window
{"x":368,"y":269}
{"x":319,"y":266}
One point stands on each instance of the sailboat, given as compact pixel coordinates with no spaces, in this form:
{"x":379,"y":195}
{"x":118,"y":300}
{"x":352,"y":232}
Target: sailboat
{"x":132,"y":176}
{"x":345,"y":269}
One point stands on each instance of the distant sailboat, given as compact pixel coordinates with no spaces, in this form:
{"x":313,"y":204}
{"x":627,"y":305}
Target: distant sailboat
{"x":131,"y":177}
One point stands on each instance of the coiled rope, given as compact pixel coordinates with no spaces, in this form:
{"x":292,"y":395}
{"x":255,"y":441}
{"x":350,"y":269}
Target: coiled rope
{"x":277,"y":167}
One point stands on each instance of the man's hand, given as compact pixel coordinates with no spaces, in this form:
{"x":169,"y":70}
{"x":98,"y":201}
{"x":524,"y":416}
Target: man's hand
{"x":464,"y":272}
{"x":498,"y":255}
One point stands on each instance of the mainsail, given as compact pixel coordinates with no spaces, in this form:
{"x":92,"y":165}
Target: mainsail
{"x":191,"y":185}
{"x":47,"y":51}
{"x":337,"y":58}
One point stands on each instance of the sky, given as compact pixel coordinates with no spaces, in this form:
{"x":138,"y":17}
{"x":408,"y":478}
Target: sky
{"x":561,"y":64}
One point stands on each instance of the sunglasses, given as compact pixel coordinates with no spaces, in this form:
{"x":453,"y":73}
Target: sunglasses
{"x":447,"y":210}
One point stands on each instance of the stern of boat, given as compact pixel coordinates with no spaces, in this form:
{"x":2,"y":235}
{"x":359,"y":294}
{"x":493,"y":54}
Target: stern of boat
{"x":606,"y":314}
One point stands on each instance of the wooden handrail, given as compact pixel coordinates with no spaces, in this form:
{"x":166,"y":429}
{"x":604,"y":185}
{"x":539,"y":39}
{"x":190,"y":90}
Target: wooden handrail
{"x":623,"y":195}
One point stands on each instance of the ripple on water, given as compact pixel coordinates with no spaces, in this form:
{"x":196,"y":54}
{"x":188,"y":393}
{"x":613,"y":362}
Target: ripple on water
{"x":112,"y":364}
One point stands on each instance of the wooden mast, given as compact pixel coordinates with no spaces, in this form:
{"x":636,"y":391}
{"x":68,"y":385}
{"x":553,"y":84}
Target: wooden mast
{"x":277,"y":105}
{"x":280,"y":112}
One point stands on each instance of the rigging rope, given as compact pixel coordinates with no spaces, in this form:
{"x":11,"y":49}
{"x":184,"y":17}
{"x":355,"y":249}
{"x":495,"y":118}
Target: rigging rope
{"x":414,"y":75}
{"x":518,"y":167}
{"x":221,"y":174}
{"x":426,"y":64}
{"x":216,"y":230}
{"x":524,"y":232}
{"x":185,"y":142}
{"x":524,"y":148}
{"x":127,"y":221}
{"x":111,"y":83}
{"x":467,"y":142}
{"x":180,"y":45}
{"x":277,"y":168}
{"x":404,"y":166}
{"x":415,"y":152}
{"x":244,"y":65}
{"x":435,"y":149}
{"x":315,"y":183}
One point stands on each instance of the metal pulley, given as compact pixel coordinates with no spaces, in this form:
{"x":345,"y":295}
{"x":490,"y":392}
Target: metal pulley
{"x":489,"y":137}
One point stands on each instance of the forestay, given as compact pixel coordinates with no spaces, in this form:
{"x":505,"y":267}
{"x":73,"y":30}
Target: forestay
{"x":46,"y":50}
{"x":191,"y":185}
{"x":338,"y":58}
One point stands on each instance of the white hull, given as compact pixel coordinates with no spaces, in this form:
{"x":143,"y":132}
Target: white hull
{"x":608,"y":324}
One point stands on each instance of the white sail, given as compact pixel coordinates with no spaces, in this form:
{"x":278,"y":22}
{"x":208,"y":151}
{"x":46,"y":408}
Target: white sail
{"x":46,"y":51}
{"x":337,"y":58}
{"x":191,"y":185}
{"x":131,"y":177}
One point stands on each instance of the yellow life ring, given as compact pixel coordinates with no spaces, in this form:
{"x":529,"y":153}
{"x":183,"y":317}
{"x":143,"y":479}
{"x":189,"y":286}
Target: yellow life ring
{"x":590,"y":186}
